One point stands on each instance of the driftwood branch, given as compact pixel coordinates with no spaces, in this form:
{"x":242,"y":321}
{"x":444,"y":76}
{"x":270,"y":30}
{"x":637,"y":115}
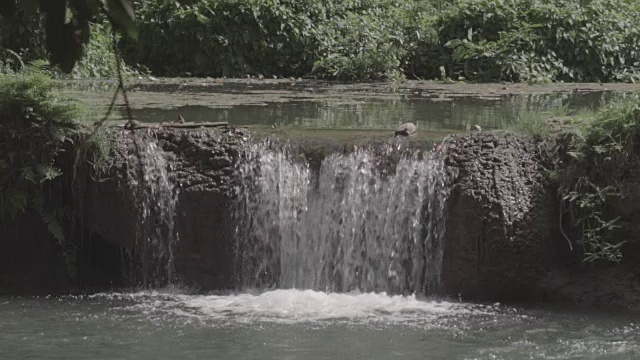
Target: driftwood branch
{"x":198,"y":125}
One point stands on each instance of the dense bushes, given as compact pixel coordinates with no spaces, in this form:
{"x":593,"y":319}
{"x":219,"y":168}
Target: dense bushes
{"x":342,"y":39}
{"x":98,"y":60}
{"x":230,"y":38}
{"x":20,"y":41}
{"x":36,"y":128}
{"x":486,"y":40}
{"x":479,"y":40}
{"x":543,"y":40}
{"x":596,"y":166}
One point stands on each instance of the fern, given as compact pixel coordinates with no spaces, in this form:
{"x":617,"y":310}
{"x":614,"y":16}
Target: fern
{"x":40,"y":66}
{"x":18,"y":202}
{"x":53,"y":225}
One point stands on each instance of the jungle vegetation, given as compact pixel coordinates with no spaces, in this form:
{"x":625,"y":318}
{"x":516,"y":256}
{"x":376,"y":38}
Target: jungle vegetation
{"x":471,"y":40}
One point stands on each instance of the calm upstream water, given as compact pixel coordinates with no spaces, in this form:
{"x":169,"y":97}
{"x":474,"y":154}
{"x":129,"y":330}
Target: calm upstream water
{"x":366,"y":112}
{"x":295,"y":324}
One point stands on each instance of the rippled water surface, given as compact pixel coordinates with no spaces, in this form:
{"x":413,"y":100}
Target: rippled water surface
{"x":295,"y":324}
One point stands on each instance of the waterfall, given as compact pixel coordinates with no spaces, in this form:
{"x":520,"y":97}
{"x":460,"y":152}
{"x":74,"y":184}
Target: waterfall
{"x":155,"y":202}
{"x":370,"y":220}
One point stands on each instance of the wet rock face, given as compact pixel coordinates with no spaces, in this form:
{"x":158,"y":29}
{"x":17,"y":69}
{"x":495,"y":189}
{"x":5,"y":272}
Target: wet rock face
{"x":203,"y":160}
{"x":200,"y":164}
{"x":198,"y":160}
{"x":203,"y":165}
{"x":500,"y":216}
{"x":31,"y":262}
{"x":501,"y":219}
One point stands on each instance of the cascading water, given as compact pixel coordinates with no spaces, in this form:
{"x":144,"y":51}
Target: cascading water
{"x":361,"y":222}
{"x":156,"y":200}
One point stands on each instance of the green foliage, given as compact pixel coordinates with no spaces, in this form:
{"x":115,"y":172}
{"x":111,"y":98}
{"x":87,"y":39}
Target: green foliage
{"x":597,"y":171}
{"x":99,"y":60}
{"x":36,"y":128}
{"x":331,"y":39}
{"x":226,"y":38}
{"x":367,"y":42}
{"x":535,"y":41}
{"x":543,"y":40}
{"x":21,"y":40}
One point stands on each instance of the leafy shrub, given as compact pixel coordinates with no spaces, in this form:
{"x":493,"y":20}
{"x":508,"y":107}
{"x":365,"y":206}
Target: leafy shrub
{"x":543,"y":40}
{"x":366,"y":42}
{"x":226,"y":38}
{"x":66,"y":25}
{"x":99,"y":60}
{"x":36,"y":128}
{"x":21,"y":41}
{"x":330,"y":39}
{"x":598,"y":171}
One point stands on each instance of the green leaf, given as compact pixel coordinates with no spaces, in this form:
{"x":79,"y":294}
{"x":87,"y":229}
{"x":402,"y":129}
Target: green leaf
{"x":576,"y":155}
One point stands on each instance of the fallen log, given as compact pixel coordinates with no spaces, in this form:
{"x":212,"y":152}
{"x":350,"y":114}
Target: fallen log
{"x":138,"y":125}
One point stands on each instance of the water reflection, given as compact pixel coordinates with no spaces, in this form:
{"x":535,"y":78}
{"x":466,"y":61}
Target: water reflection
{"x":386,"y":112}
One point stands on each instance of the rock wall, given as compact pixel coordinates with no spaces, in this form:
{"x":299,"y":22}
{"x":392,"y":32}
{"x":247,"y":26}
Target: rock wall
{"x":501,"y":219}
{"x":502,"y":239}
{"x":31,"y":261}
{"x":201,"y":166}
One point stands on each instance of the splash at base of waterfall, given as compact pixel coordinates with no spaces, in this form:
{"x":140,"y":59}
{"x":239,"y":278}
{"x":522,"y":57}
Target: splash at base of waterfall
{"x":366,"y":221}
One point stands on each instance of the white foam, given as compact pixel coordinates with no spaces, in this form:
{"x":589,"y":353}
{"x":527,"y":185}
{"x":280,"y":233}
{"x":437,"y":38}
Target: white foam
{"x":300,"y":306}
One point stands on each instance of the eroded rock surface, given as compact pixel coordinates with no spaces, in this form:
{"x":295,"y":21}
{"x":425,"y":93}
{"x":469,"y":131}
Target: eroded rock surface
{"x":501,"y":219}
{"x":200,"y":164}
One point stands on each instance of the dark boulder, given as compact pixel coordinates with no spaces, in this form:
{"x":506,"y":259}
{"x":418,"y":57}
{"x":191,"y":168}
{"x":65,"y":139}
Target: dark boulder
{"x":200,"y":164}
{"x":501,"y":219}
